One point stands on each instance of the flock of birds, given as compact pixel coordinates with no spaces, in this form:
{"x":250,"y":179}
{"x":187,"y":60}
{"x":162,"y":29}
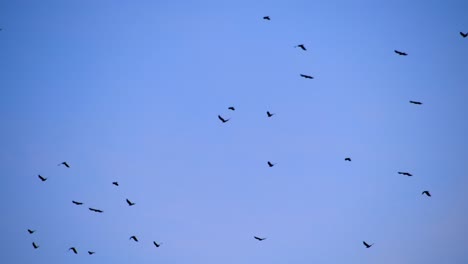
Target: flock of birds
{"x":269,"y":163}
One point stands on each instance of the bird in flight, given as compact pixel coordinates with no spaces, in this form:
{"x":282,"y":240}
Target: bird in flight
{"x":77,"y":203}
{"x":270,"y":114}
{"x":42,"y":178}
{"x":266,"y":17}
{"x":35,"y":245}
{"x":156,"y":244}
{"x":222,"y":119}
{"x":96,"y":210}
{"x":464,"y":35}
{"x":400,"y":53}
{"x":130,"y":203}
{"x":31,"y":231}
{"x":301,"y":46}
{"x":91,"y":252}
{"x":259,"y":238}
{"x":415,"y":102}
{"x":405,"y":173}
{"x":73,"y":249}
{"x":367,"y":245}
{"x":134,"y":238}
{"x":347,"y":159}
{"x":65,"y":164}
{"x":271,"y":164}
{"x":115,"y":183}
{"x":307,"y":76}
{"x":426,"y":193}
{"x":232,"y":108}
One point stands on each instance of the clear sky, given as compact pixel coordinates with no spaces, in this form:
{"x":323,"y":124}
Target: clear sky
{"x":129,"y":91}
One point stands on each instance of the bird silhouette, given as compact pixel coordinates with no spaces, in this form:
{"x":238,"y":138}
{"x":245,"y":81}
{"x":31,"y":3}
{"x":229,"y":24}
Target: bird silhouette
{"x":91,"y":252}
{"x":35,"y":245}
{"x":405,"y":173}
{"x":77,"y":203}
{"x":222,"y":119}
{"x":266,"y":17}
{"x":65,"y":164}
{"x":301,"y":46}
{"x":260,"y":238}
{"x":31,"y":231}
{"x":271,"y":164}
{"x":73,"y":249}
{"x":42,"y":178}
{"x":347,"y":159}
{"x":415,"y":102}
{"x":232,"y":108}
{"x":130,"y":203}
{"x":115,"y":183}
{"x":156,"y":244}
{"x":134,"y":238}
{"x":270,"y":114}
{"x":307,"y":76}
{"x":96,"y":210}
{"x":464,"y":35}
{"x":367,"y":245}
{"x":426,"y":193}
{"x":400,"y":53}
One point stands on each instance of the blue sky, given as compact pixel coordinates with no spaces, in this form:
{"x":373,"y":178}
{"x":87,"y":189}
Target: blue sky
{"x":130,"y":91}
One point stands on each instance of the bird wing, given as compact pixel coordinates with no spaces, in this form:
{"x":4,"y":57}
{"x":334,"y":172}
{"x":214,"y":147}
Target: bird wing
{"x":220,"y":118}
{"x":365,"y":244}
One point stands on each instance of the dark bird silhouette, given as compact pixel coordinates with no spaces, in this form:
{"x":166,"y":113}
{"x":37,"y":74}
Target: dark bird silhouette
{"x":65,"y":164}
{"x":367,"y":245}
{"x":77,"y":203}
{"x":91,"y":252}
{"x":270,"y":114}
{"x":35,"y":245}
{"x":115,"y":183}
{"x":271,"y":164}
{"x":400,"y":53}
{"x":301,"y":46}
{"x":464,"y":35}
{"x":156,"y":244}
{"x":426,"y":193}
{"x":405,"y":173}
{"x":232,"y":108}
{"x":73,"y":249}
{"x":307,"y":76}
{"x":347,"y":159}
{"x":42,"y":178}
{"x":266,"y":17}
{"x":134,"y":238}
{"x":31,"y":231}
{"x":96,"y":210}
{"x":415,"y":102}
{"x":222,"y":119}
{"x":130,"y":203}
{"x":259,"y":238}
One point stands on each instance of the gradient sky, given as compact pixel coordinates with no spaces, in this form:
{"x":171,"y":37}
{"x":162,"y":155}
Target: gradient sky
{"x":129,"y":91}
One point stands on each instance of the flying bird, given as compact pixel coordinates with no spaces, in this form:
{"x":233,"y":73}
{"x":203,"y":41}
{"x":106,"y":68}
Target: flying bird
{"x":259,"y":238}
{"x":42,"y":178}
{"x":266,"y":17}
{"x":367,"y":245}
{"x":464,"y":35}
{"x":301,"y":46}
{"x":222,"y":119}
{"x":115,"y":183}
{"x":347,"y":159}
{"x":426,"y":193}
{"x":77,"y":203}
{"x":65,"y":164}
{"x":415,"y":102}
{"x":232,"y":108}
{"x":35,"y":245}
{"x":31,"y":231}
{"x":400,"y":53}
{"x":270,"y":114}
{"x":134,"y":238}
{"x":156,"y":244}
{"x":307,"y":76}
{"x":96,"y":210}
{"x":130,"y":203}
{"x":73,"y":249}
{"x":405,"y":173}
{"x":91,"y":252}
{"x":271,"y":164}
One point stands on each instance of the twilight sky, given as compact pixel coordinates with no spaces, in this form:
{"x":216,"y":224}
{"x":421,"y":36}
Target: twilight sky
{"x":129,"y":91}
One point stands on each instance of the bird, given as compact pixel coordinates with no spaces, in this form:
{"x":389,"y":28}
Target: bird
{"x":96,"y":210}
{"x":73,"y":249}
{"x":115,"y":183}
{"x":259,"y":238}
{"x":156,"y":244}
{"x":130,"y":203}
{"x":64,"y":163}
{"x":31,"y":231}
{"x":134,"y":238}
{"x":464,"y":35}
{"x":232,"y":108}
{"x":77,"y":203}
{"x":426,"y":193}
{"x":91,"y":252}
{"x":400,"y":53}
{"x":307,"y":76}
{"x":42,"y":178}
{"x":222,"y":119}
{"x":415,"y":102}
{"x":35,"y":245}
{"x":266,"y":17}
{"x":271,"y":164}
{"x":405,"y":173}
{"x":347,"y":159}
{"x":270,"y":114}
{"x":301,"y":46}
{"x":367,"y":245}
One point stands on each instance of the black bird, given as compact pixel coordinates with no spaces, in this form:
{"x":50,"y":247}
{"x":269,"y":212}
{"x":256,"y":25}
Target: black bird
{"x":270,"y":114}
{"x":134,"y":238}
{"x":91,"y":252}
{"x":77,"y":203}
{"x":415,"y":102}
{"x":266,"y":17}
{"x":367,"y":245}
{"x":130,"y":203}
{"x":42,"y":178}
{"x":271,"y":164}
{"x":96,"y":210}
{"x":426,"y":193}
{"x":405,"y":173}
{"x":73,"y":249}
{"x":222,"y":119}
{"x":301,"y":46}
{"x":64,"y":163}
{"x":259,"y":238}
{"x":400,"y":53}
{"x":156,"y":244}
{"x":232,"y":108}
{"x":35,"y":245}
{"x":31,"y":231}
{"x":464,"y":34}
{"x":307,"y":76}
{"x":115,"y":183}
{"x":347,"y":159}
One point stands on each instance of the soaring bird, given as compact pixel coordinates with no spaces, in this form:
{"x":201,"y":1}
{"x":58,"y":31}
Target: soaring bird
{"x":270,"y":114}
{"x":400,"y":53}
{"x":232,"y":108}
{"x":307,"y":76}
{"x":73,"y":249}
{"x":35,"y":245}
{"x":415,"y":102}
{"x":91,"y":252}
{"x":301,"y":46}
{"x":259,"y":238}
{"x":96,"y":210}
{"x":156,"y":244}
{"x":134,"y":238}
{"x":115,"y":183}
{"x":347,"y":159}
{"x":266,"y":17}
{"x":42,"y":178}
{"x":31,"y":231}
{"x":130,"y":203}
{"x":426,"y":193}
{"x":271,"y":164}
{"x":367,"y":245}
{"x":77,"y":203}
{"x":464,"y":34}
{"x":405,"y":173}
{"x":64,"y":163}
{"x":222,"y":119}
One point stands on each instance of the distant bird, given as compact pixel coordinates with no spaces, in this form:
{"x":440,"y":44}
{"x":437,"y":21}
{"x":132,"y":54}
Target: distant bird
{"x":266,"y":17}
{"x":77,"y":203}
{"x":222,"y":119}
{"x":405,"y":173}
{"x":232,"y":108}
{"x":42,"y":178}
{"x":64,"y":163}
{"x":301,"y":46}
{"x":415,"y":102}
{"x":259,"y":238}
{"x":134,"y":238}
{"x":270,"y":114}
{"x":367,"y":245}
{"x":31,"y":231}
{"x":307,"y":76}
{"x":35,"y":245}
{"x":426,"y":193}
{"x":271,"y":164}
{"x":73,"y":249}
{"x":464,"y":35}
{"x":96,"y":210}
{"x":91,"y":252}
{"x":156,"y":244}
{"x":400,"y":53}
{"x":130,"y":203}
{"x":347,"y":159}
{"x":115,"y":183}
